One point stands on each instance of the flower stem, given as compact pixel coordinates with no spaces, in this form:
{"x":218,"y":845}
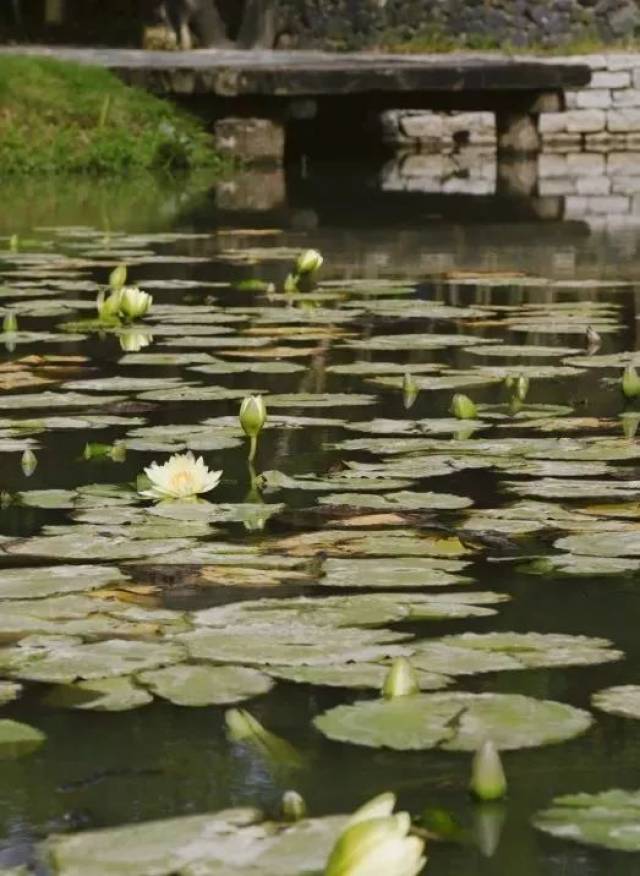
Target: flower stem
{"x":253,"y":446}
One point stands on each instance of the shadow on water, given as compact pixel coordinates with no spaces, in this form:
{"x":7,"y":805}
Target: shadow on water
{"x":160,"y":761}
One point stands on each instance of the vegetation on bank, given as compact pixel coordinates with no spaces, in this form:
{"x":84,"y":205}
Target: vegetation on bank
{"x":59,"y":117}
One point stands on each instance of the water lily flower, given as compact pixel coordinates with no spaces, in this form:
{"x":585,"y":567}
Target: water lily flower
{"x":294,"y":807}
{"x":253,"y":416}
{"x":309,"y":262}
{"x":181,"y":477}
{"x":463,"y":408}
{"x":28,"y":462}
{"x":630,"y":382}
{"x":132,"y":341}
{"x":401,"y":680}
{"x":10,"y":323}
{"x":134,"y":303}
{"x":488,"y":781}
{"x":376,"y":842}
{"x":118,"y":277}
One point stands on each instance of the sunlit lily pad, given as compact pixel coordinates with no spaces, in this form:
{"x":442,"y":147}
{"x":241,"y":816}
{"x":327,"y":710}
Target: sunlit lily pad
{"x":404,"y":500}
{"x":623,"y":700}
{"x":392,"y":573}
{"x":318,"y":400}
{"x":360,"y":676}
{"x":55,"y":400}
{"x":419,"y":341}
{"x":233,"y":841}
{"x":118,"y":694}
{"x":454,"y":722}
{"x":607,"y":544}
{"x":18,"y":740}
{"x":562,"y":488}
{"x":383,"y":543}
{"x":193,"y":685}
{"x":77,"y":544}
{"x":575,"y":565}
{"x":516,"y":351}
{"x":608,"y":819}
{"x":277,"y":480}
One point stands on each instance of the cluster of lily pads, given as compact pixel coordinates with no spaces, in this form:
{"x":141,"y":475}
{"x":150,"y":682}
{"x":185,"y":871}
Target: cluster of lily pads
{"x":383,"y":541}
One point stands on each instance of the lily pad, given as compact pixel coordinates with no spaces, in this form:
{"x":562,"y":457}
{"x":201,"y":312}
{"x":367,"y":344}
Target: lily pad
{"x":193,"y":685}
{"x":608,"y":820}
{"x":392,"y":573}
{"x":404,"y":500}
{"x":454,"y":722}
{"x":360,"y":676}
{"x":607,"y":544}
{"x":41,"y":581}
{"x":117,"y":694}
{"x":18,"y":740}
{"x":623,"y":700}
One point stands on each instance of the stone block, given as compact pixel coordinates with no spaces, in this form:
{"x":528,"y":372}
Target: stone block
{"x":585,"y":121}
{"x":575,"y":206}
{"x":253,"y":190}
{"x":250,"y":139}
{"x":608,"y":204}
{"x":625,"y":185}
{"x":636,"y":76}
{"x":552,"y":123}
{"x":635,"y":205}
{"x":550,"y":164}
{"x":623,"y":164}
{"x":585,"y":164}
{"x":423,"y":126}
{"x":562,"y":143}
{"x":557,"y":186}
{"x":571,"y":100}
{"x":623,"y":120}
{"x":605,"y":142}
{"x":607,"y":79}
{"x":596,"y":98}
{"x":593,"y":185}
{"x":422,"y":165}
{"x":626,"y":97}
{"x":621,"y":61}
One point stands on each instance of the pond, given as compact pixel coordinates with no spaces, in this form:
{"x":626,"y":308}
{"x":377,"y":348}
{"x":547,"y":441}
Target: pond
{"x":499,"y":548}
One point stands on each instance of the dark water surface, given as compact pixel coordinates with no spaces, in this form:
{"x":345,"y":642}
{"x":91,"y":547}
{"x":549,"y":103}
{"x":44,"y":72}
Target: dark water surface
{"x":102,"y":769}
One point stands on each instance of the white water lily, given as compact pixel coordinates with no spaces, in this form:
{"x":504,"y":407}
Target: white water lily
{"x":375,"y":842}
{"x":132,"y":341}
{"x":181,"y":477}
{"x":134,"y":303}
{"x":309,"y":262}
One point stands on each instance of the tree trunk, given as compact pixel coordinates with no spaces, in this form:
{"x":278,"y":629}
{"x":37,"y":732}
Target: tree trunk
{"x":208,"y":25}
{"x":258,"y":28}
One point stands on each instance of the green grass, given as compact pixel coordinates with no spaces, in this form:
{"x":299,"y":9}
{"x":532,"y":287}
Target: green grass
{"x":57,"y":117}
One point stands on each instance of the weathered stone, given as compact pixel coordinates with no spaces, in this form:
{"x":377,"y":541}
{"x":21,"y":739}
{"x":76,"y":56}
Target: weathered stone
{"x":552,"y":123}
{"x":605,"y":142}
{"x":608,"y":204}
{"x":585,"y":121}
{"x":623,"y":120}
{"x":585,"y":164}
{"x":597,"y":98}
{"x":552,"y":165}
{"x":625,"y":185}
{"x":250,"y":139}
{"x":422,"y":126}
{"x":623,"y":164}
{"x":562,"y":143}
{"x":557,"y":186}
{"x":627,"y":97}
{"x":517,"y":133}
{"x":608,"y":79}
{"x":593,"y":185}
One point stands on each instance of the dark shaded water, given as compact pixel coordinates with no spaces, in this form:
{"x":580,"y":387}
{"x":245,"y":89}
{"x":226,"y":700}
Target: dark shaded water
{"x":102,"y":769}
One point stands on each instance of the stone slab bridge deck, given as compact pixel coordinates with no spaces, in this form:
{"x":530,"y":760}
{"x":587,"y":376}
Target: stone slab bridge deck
{"x":337,"y":95}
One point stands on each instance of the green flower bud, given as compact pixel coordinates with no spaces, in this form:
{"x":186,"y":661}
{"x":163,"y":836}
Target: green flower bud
{"x":309,"y":262}
{"x":243,"y":727}
{"x":488,"y":781}
{"x":109,"y":307}
{"x":293,"y":806}
{"x":253,"y":415}
{"x":630,"y":382}
{"x":134,"y":303}
{"x":522,"y":386}
{"x":401,"y":680}
{"x":10,"y":323}
{"x":14,"y":243}
{"x":463,"y":408}
{"x":118,"y":277}
{"x":28,"y":462}
{"x":409,"y":390}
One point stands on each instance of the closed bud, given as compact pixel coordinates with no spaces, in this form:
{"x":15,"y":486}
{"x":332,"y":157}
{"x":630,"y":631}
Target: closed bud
{"x":28,"y":462}
{"x":109,"y":307}
{"x":253,"y":415}
{"x":463,"y":408}
{"x":594,"y":341}
{"x":630,"y":382}
{"x":293,"y":806}
{"x":118,"y":277}
{"x":401,"y":680}
{"x":522,"y":386}
{"x":409,"y":390}
{"x":134,"y":303}
{"x":488,"y":781}
{"x":14,"y":243}
{"x":309,"y":262}
{"x":10,"y":323}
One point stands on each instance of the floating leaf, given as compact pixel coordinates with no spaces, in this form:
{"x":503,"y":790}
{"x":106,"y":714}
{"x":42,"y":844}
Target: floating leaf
{"x":623,"y":700}
{"x":18,"y":740}
{"x":118,"y":694}
{"x":191,"y":685}
{"x":608,"y":819}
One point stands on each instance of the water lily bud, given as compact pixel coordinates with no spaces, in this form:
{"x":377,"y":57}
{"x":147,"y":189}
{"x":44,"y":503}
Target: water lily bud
{"x":375,"y":842}
{"x":243,"y":727}
{"x":463,"y":408}
{"x":401,"y":680}
{"x":522,"y":386}
{"x":594,"y":341}
{"x":109,"y":307}
{"x":291,"y":284}
{"x":630,"y":424}
{"x":28,"y":462}
{"x":14,"y":243}
{"x":118,"y":277}
{"x":488,"y":822}
{"x":488,"y":781}
{"x":5,"y":499}
{"x":253,"y":415}
{"x":118,"y":452}
{"x":630,"y":382}
{"x":293,"y":806}
{"x":134,"y":303}
{"x":309,"y":262}
{"x":10,"y":323}
{"x":409,"y":390}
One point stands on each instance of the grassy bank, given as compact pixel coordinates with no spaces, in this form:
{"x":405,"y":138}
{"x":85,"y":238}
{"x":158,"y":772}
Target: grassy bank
{"x":57,"y":117}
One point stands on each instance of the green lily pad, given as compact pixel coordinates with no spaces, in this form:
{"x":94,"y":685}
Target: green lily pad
{"x":607,"y":544}
{"x":191,"y":685}
{"x":454,"y":722}
{"x":52,"y":400}
{"x":277,"y":480}
{"x":422,"y":341}
{"x":43,"y":581}
{"x":517,"y":351}
{"x":9,"y":691}
{"x":623,"y":700}
{"x":404,"y":500}
{"x":117,"y":694}
{"x":381,"y":543}
{"x":18,"y":740}
{"x":574,"y":565}
{"x":608,"y":820}
{"x":563,"y":488}
{"x":360,"y":676}
{"x":81,"y":544}
{"x":392,"y":573}
{"x":318,"y":400}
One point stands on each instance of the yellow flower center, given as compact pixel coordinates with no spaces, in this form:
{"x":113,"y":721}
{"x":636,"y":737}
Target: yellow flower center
{"x":182,"y":481}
